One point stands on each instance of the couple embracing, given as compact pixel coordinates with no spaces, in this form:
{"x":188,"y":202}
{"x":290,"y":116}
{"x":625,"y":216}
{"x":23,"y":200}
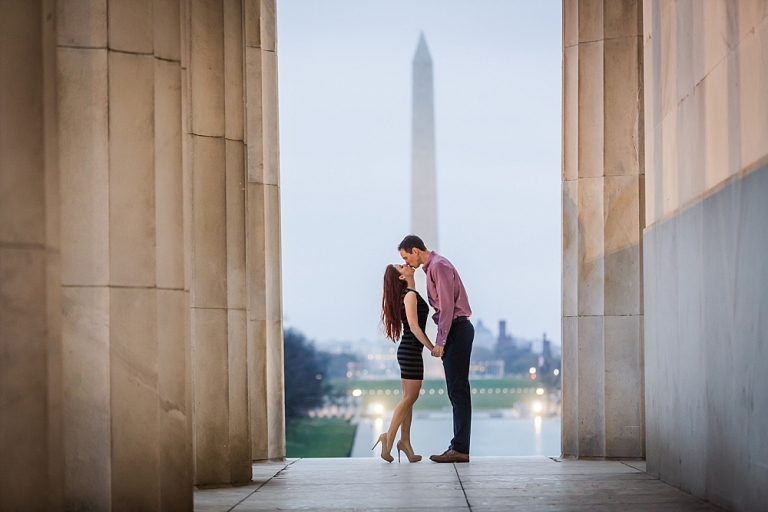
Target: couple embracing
{"x":404,"y":315}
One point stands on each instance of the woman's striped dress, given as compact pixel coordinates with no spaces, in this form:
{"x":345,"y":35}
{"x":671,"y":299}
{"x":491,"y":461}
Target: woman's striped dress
{"x":410,"y":349}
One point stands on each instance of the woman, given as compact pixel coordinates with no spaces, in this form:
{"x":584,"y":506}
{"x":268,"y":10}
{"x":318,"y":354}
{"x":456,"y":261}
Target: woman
{"x":404,"y":311}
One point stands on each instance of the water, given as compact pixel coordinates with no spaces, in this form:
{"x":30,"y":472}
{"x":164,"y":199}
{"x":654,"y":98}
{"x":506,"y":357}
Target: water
{"x":493,"y":433}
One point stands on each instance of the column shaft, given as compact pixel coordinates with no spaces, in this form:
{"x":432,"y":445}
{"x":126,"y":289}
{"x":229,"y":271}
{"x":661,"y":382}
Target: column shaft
{"x":603,"y":219}
{"x":265,"y":328}
{"x":218,"y":249}
{"x":140,"y":274}
{"x":126,"y":345}
{"x":31,"y":475}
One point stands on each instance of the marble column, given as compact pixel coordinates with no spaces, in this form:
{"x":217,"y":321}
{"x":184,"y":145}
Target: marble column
{"x":218,"y":287}
{"x":603,"y":219}
{"x":31,"y":472}
{"x":264,"y":286}
{"x":139,"y":248}
{"x":126,"y":411}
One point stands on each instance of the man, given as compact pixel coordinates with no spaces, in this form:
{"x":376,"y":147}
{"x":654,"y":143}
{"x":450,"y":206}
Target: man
{"x":453,"y":342}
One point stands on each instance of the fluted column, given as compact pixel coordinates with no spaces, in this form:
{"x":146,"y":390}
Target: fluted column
{"x":31,"y":472}
{"x":139,"y":251}
{"x":126,"y":412}
{"x":265,"y":327}
{"x":603,"y":219}
{"x":217,"y":251}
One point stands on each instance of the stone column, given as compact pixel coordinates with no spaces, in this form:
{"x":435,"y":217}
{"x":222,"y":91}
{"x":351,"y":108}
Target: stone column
{"x":218,"y":296}
{"x":31,"y":475}
{"x":265,"y":328}
{"x":174,"y":352}
{"x":603,"y":219}
{"x":125,"y":345}
{"x":125,"y":200}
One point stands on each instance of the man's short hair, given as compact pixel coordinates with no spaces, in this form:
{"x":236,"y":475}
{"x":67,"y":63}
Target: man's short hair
{"x":410,"y":242}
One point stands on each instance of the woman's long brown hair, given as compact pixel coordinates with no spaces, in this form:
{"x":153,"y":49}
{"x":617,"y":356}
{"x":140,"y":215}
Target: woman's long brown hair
{"x":392,"y":303}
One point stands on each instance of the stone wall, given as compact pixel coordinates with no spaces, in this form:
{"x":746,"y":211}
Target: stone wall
{"x":140,"y":333}
{"x":706,"y":272}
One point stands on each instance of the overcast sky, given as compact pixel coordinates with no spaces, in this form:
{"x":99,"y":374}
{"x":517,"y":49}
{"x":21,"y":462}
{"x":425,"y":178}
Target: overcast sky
{"x":345,"y":122}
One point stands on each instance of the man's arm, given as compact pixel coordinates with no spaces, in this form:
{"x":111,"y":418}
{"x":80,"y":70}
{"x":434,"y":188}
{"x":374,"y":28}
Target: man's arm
{"x":444,"y":283}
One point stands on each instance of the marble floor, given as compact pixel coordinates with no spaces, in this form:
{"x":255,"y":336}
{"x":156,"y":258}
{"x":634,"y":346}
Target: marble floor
{"x":486,"y":483}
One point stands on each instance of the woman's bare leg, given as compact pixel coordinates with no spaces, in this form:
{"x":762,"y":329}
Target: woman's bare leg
{"x":411,"y":390}
{"x":405,"y":427}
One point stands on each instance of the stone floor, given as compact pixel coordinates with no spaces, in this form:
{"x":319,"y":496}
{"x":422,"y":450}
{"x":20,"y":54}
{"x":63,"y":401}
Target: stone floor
{"x":487,"y":483}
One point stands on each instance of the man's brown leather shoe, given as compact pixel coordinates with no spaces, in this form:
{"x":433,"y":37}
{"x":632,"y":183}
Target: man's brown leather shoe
{"x":450,"y":456}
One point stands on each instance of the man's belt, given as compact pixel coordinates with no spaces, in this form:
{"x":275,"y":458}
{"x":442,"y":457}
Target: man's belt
{"x":460,"y":319}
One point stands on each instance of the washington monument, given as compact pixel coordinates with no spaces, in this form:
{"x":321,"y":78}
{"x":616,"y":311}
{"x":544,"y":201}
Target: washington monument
{"x":423,"y":177}
{"x":423,"y":180}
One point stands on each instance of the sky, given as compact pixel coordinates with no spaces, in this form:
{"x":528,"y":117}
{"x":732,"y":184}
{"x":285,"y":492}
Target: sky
{"x":344,"y":72}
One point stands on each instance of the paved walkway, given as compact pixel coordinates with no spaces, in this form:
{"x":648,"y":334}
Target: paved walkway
{"x":486,"y":483}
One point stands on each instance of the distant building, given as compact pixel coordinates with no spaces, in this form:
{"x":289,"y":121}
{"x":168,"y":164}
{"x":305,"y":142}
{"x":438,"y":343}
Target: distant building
{"x":504,"y":341}
{"x":483,"y":336}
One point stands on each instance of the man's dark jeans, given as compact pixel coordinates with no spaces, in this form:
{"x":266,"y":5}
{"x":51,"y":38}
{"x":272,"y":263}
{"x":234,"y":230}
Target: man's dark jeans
{"x":458,"y":349}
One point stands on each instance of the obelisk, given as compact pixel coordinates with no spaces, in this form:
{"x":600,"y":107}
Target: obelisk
{"x":423,"y":176}
{"x":423,"y":180}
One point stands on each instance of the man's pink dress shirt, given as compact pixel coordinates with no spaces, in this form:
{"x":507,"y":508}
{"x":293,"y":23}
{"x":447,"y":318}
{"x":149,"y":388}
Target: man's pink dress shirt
{"x":446,"y":294}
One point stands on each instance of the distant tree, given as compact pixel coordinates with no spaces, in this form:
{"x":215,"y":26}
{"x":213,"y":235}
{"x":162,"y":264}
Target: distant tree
{"x":522,"y":364}
{"x":337,"y":364}
{"x":482,"y":354}
{"x":304,"y":375}
{"x":517,"y":361}
{"x":547,"y":376}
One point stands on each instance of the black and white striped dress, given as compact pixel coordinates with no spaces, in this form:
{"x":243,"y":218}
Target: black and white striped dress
{"x":410,"y":349}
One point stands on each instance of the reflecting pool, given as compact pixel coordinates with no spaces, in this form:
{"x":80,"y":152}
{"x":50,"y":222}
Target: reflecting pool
{"x":493,"y":433}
